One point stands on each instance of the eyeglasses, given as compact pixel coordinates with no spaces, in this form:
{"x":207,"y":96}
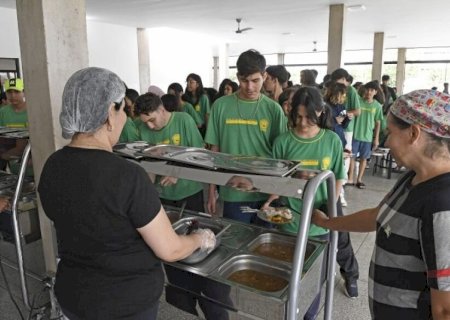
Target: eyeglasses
{"x":191,"y":81}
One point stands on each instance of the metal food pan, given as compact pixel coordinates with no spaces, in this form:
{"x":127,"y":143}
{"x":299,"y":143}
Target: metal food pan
{"x":207,"y":266}
{"x":237,"y":235}
{"x":282,"y":249}
{"x":260,"y":264}
{"x":184,"y":226}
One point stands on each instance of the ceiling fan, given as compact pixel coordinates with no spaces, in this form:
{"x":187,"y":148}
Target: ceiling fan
{"x":239,"y":30}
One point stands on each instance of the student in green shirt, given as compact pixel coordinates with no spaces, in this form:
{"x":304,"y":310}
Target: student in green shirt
{"x":13,"y":115}
{"x":158,"y":126}
{"x":198,"y":98}
{"x":366,"y":133}
{"x":129,"y":132}
{"x":245,"y":123}
{"x":311,"y":141}
{"x":177,"y":90}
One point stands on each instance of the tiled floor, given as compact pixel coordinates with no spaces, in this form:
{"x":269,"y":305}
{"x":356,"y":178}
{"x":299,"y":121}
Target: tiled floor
{"x":343,"y":307}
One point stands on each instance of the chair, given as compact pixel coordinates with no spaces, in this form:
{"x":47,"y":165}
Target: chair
{"x":383,"y":160}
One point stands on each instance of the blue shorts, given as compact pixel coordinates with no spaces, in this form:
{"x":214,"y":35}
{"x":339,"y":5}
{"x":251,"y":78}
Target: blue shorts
{"x":361,"y":149}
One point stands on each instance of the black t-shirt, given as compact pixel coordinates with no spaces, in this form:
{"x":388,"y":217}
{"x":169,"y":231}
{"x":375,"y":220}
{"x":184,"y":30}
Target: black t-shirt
{"x":96,"y":201}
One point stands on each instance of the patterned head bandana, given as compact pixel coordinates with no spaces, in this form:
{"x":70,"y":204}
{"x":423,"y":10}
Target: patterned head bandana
{"x":428,"y":108}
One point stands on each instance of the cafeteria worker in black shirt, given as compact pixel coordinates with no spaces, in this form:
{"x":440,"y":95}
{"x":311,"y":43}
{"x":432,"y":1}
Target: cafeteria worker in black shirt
{"x":111,"y":228}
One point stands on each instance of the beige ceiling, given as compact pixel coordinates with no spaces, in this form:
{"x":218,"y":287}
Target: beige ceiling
{"x":283,"y":25}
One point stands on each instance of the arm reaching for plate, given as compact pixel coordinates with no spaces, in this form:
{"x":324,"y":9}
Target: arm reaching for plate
{"x":266,"y":204}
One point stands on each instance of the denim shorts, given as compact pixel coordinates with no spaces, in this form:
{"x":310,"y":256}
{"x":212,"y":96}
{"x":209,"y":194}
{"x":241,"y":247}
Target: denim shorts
{"x":361,"y":149}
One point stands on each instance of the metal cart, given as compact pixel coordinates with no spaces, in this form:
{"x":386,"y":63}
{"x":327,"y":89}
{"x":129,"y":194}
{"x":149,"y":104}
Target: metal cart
{"x":296,"y":184}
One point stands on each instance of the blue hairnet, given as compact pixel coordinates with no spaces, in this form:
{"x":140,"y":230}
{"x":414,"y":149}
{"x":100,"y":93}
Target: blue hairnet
{"x":86,"y":99}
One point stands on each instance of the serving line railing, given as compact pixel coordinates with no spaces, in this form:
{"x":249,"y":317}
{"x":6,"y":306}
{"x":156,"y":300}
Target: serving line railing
{"x":18,"y":236}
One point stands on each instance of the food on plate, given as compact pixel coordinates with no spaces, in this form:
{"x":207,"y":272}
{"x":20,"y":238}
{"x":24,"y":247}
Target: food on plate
{"x":278,"y":215}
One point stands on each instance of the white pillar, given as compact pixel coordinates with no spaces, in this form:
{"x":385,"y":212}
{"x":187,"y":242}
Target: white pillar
{"x":53,"y":45}
{"x":400,"y":76}
{"x":336,"y":24}
{"x":144,"y":60}
{"x":378,"y":49}
{"x":280,"y":58}
{"x":216,"y":72}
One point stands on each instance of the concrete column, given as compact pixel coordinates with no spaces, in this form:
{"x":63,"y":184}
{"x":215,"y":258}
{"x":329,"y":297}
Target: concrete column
{"x":336,"y":26}
{"x":378,"y":49}
{"x":400,"y":76}
{"x":280,"y":58}
{"x":144,"y":60}
{"x":216,"y":72}
{"x":224,"y":65}
{"x":53,"y":45}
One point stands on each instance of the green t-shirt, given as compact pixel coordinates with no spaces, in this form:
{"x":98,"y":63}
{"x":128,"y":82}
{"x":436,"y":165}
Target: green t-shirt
{"x":129,"y":132}
{"x":323,"y":152}
{"x":137,"y":121}
{"x":352,"y":102}
{"x":365,"y":122}
{"x":189,"y":109}
{"x":12,"y":119}
{"x":242,"y":127}
{"x":181,"y":131}
{"x":202,"y":107}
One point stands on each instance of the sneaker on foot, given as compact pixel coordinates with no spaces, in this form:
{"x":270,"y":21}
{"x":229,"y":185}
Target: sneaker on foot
{"x":351,"y":288}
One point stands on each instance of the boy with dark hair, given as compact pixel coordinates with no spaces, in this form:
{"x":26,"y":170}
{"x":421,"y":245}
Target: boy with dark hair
{"x":159,"y":126}
{"x":170,"y":102}
{"x":276,"y":76}
{"x":244,"y":123}
{"x":367,"y":131}
{"x":250,"y":62}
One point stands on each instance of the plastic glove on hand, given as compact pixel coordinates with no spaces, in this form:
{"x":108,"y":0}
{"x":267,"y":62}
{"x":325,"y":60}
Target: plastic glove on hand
{"x":208,"y":239}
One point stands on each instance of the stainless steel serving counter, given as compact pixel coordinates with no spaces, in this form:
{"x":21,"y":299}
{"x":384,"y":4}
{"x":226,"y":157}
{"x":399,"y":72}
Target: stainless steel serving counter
{"x":296,"y":182}
{"x":237,"y":252}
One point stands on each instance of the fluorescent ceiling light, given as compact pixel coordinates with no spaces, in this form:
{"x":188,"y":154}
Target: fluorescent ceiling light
{"x":356,"y":7}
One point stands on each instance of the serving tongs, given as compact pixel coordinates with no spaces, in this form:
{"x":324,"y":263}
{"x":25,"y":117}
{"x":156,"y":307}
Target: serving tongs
{"x":194,"y":225}
{"x":222,"y":231}
{"x":182,"y":210}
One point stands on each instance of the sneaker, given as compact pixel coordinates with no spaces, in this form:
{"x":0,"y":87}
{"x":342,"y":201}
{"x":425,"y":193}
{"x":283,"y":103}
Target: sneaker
{"x":351,"y":288}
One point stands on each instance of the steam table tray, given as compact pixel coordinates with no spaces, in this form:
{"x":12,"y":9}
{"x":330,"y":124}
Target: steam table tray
{"x":220,"y":161}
